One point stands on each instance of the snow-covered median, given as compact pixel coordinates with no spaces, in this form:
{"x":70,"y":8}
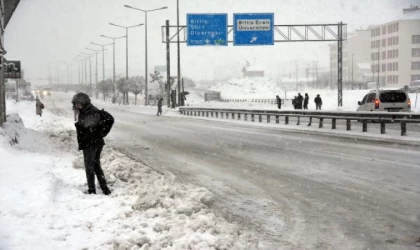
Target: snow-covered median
{"x":42,"y":205}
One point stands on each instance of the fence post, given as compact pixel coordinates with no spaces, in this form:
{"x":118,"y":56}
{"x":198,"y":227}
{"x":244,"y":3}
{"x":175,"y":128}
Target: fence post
{"x":239,"y":116}
{"x":382,"y":127}
{"x":199,"y":112}
{"x":252,"y":117}
{"x":348,"y":124}
{"x":217,"y":114}
{"x":277,"y":119}
{"x":321,"y":122}
{"x":334,"y":124}
{"x":310,"y":121}
{"x":233,"y":116}
{"x":221,"y":115}
{"x":403,"y":128}
{"x":246,"y":117}
{"x":260,"y":118}
{"x":298,"y":121}
{"x":364,"y":126}
{"x":268,"y":118}
{"x":207,"y":113}
{"x":212,"y":114}
{"x":286,"y":119}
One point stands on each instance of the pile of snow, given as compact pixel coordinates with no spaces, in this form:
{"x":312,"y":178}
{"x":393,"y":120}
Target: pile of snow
{"x":248,"y":88}
{"x":166,"y":214}
{"x":42,"y":183}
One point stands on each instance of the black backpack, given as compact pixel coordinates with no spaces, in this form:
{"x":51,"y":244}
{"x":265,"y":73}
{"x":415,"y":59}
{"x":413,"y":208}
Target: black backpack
{"x":106,"y":122}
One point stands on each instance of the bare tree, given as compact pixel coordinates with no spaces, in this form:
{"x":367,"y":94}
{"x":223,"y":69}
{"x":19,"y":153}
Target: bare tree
{"x":123,"y":86}
{"x":136,"y":86}
{"x":106,"y":88}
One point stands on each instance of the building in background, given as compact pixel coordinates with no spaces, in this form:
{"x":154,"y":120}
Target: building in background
{"x":7,"y":8}
{"x":395,"y":49}
{"x":355,"y":57}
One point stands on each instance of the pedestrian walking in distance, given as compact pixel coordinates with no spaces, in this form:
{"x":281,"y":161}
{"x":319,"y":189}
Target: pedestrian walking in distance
{"x":160,"y":102}
{"x":306,"y":101}
{"x":278,"y":100}
{"x":318,"y":102}
{"x":92,"y":125}
{"x":39,"y":106}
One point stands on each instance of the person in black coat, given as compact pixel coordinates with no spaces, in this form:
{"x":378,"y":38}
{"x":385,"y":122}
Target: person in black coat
{"x":294,"y":102}
{"x":160,"y":102}
{"x":318,"y":102}
{"x":278,"y":101}
{"x":299,"y":101}
{"x":91,"y":128}
{"x":306,"y":101}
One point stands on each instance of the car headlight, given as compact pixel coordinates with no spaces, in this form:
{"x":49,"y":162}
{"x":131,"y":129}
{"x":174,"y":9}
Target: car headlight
{"x":45,"y":93}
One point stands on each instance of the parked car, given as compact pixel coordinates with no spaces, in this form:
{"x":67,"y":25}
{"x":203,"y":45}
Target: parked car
{"x":385,"y":100}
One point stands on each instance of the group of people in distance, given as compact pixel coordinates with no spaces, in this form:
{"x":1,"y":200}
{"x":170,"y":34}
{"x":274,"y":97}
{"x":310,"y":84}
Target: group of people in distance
{"x":300,"y":102}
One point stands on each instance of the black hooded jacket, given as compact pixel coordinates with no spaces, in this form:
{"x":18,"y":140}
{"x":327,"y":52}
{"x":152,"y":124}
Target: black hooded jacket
{"x":88,"y":127}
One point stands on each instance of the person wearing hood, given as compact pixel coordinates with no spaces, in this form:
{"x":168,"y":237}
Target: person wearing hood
{"x":39,"y":106}
{"x":92,"y":125}
{"x":318,"y":102}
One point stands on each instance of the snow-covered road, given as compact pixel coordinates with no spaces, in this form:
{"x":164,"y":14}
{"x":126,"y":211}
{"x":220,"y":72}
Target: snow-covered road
{"x":297,"y":190}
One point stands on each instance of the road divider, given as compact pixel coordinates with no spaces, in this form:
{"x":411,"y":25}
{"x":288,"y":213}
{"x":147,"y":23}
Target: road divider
{"x":365,"y":118}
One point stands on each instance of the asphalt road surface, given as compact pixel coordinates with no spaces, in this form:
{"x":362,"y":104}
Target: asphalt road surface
{"x":297,"y":191}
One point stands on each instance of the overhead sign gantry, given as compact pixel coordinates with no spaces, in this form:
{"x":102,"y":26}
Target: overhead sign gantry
{"x":254,"y":29}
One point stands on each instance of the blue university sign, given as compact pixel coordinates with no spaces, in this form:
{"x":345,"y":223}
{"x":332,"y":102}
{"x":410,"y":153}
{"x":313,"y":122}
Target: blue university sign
{"x":253,"y":29}
{"x":207,"y":30}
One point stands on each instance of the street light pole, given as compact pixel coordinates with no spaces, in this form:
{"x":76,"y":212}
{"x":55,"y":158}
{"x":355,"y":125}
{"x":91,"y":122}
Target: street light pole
{"x":96,"y":67}
{"x":113,"y":63}
{"x":126,"y":43}
{"x":103,"y":58}
{"x":146,"y":49}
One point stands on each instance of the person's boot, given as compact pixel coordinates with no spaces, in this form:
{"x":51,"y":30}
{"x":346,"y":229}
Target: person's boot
{"x":90,"y":191}
{"x":106,"y":191}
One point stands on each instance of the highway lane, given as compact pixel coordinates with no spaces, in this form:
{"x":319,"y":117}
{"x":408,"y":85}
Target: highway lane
{"x":298,"y":191}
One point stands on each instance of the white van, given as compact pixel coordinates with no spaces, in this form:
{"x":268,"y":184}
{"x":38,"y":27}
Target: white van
{"x":386,"y":100}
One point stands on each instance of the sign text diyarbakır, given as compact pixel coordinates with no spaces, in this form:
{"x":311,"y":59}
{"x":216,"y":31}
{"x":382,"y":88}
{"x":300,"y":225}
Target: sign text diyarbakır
{"x":254,"y":25}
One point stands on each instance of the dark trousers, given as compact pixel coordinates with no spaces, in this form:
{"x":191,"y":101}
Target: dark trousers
{"x":159,"y":110}
{"x":318,"y":107}
{"x":92,"y":158}
{"x":305,"y":106}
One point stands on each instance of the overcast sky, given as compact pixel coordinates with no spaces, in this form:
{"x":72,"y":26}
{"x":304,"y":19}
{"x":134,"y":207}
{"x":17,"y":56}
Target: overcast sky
{"x":46,"y":33}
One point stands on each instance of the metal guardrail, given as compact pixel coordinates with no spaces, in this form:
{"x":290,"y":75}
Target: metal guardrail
{"x":265,"y":101}
{"x":364,"y":117}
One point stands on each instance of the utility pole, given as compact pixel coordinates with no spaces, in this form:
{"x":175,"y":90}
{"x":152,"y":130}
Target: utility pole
{"x":168,"y":63}
{"x":379,"y":66}
{"x":179,"y":53}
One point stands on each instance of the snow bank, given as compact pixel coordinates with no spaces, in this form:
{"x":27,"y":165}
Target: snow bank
{"x":166,"y":214}
{"x":42,"y":184}
{"x":248,"y":88}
